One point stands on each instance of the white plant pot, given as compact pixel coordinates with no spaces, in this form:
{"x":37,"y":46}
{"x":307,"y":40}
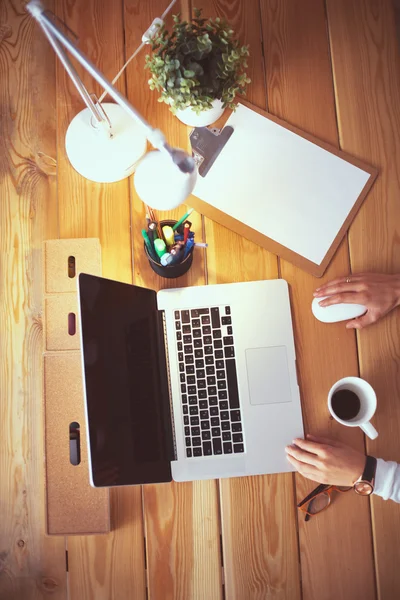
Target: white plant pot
{"x":206,"y":117}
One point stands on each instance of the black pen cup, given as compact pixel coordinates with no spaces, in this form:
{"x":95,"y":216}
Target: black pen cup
{"x":177,"y":269}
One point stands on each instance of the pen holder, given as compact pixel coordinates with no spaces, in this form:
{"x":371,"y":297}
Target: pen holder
{"x":175,"y":270}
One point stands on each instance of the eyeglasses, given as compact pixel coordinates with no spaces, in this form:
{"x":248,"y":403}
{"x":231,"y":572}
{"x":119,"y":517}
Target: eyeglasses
{"x":319,"y":499}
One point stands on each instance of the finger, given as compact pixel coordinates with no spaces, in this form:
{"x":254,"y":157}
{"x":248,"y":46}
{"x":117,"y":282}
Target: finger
{"x":339,"y":280}
{"x":340,"y":288}
{"x":309,"y":446}
{"x":303,"y":456}
{"x":344,"y":298}
{"x":323,"y":440}
{"x":306,"y":470}
{"x":363,"y":321}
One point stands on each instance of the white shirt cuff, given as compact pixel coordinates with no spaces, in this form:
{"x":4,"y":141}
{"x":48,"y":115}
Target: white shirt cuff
{"x":387,"y":480}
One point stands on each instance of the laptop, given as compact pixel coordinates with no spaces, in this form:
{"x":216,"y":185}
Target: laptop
{"x":188,"y":383}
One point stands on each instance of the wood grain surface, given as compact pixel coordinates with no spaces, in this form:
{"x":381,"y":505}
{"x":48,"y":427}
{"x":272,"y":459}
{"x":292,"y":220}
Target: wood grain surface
{"x":181,"y":519}
{"x":32,"y":565}
{"x":112,"y":566}
{"x":259,"y":550}
{"x":369,"y":127}
{"x":332,"y":71}
{"x":298,"y":75}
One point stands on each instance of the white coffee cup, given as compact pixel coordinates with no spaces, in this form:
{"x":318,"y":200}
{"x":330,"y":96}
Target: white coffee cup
{"x":367,"y":397}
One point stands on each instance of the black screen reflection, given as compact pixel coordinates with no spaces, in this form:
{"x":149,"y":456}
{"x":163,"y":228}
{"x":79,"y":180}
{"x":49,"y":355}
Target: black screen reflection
{"x":126,"y":386}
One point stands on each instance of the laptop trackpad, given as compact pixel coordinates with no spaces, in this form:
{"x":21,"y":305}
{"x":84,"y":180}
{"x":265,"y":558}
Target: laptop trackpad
{"x":268,"y":375}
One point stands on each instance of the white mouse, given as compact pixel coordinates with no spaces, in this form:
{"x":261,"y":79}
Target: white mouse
{"x":336,"y":312}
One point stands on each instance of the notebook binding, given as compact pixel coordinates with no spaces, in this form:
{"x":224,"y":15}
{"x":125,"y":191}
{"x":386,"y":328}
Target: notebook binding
{"x":169,"y":383}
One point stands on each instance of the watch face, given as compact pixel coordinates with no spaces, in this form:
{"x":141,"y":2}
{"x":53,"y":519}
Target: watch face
{"x":364,"y":488}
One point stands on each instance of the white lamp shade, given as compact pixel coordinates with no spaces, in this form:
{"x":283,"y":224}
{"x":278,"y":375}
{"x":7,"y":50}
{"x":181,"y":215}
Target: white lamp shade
{"x":96,"y":155}
{"x":160,"y":183}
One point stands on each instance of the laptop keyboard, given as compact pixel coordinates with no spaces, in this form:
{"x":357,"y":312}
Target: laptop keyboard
{"x":208,"y":381}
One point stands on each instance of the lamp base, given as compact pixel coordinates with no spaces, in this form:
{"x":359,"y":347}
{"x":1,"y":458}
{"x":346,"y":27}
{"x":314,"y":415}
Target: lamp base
{"x":96,"y":155}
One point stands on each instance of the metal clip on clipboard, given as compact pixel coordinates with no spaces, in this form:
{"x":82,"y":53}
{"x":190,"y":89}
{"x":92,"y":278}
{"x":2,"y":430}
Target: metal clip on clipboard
{"x":207,"y":145}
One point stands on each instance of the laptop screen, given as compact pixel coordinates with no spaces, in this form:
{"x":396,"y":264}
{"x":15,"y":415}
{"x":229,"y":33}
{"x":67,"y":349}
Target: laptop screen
{"x":128,"y":410}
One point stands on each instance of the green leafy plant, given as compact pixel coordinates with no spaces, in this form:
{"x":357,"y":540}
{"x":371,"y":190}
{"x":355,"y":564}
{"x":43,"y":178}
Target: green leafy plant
{"x":196,"y":63}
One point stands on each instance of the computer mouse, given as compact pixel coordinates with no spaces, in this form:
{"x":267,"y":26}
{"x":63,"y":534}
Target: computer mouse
{"x":336,"y":312}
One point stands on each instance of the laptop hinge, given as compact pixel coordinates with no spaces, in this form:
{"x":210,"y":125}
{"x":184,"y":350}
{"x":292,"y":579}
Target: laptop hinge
{"x":169,"y":383}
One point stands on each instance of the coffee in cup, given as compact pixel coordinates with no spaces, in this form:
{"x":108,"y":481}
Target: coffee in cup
{"x":352,"y":402}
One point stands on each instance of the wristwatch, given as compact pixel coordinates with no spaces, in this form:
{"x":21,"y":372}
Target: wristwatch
{"x":364,"y":486}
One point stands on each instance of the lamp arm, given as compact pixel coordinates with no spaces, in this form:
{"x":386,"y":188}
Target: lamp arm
{"x":73,"y":74}
{"x":155,"y":136}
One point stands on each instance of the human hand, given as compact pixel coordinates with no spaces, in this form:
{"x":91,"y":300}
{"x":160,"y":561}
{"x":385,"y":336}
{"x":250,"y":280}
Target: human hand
{"x":380,"y":293}
{"x":326,"y":461}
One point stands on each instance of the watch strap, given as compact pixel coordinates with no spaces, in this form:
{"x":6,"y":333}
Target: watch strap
{"x":369,"y":469}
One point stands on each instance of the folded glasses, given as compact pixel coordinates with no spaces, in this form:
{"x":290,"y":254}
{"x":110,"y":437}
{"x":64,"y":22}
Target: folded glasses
{"x":319,"y":499}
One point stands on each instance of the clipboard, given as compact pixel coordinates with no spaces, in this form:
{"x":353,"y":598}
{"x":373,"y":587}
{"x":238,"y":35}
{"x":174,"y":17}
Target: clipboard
{"x":293,"y":194}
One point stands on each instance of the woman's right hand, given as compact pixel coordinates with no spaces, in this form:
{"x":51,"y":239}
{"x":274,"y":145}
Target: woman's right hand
{"x":380,"y":293}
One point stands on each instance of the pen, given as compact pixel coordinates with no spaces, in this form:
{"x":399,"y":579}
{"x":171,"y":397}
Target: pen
{"x":185,"y":216}
{"x":158,"y":226}
{"x":176,"y":254}
{"x":179,"y":236}
{"x":153,"y":229}
{"x":149,"y":245}
{"x":153,"y":217}
{"x":150,"y":212}
{"x":201,"y":245}
{"x":186,"y":229}
{"x":188,"y":247}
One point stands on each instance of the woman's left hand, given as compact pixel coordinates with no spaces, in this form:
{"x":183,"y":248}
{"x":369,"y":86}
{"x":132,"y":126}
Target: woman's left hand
{"x":326,"y":461}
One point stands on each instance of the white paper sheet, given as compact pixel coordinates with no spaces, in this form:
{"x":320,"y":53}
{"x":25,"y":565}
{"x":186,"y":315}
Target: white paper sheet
{"x":282,"y":185}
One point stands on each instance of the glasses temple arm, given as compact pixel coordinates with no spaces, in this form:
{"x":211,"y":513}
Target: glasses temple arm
{"x":320,"y":488}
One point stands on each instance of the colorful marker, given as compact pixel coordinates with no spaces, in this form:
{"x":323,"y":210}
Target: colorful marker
{"x":188,"y":247}
{"x":160,"y":247}
{"x":149,"y":245}
{"x":186,"y":229}
{"x":166,"y":259}
{"x":168,"y":235}
{"x":179,"y":236}
{"x":153,"y":228}
{"x":176,"y":254}
{"x":185,"y":216}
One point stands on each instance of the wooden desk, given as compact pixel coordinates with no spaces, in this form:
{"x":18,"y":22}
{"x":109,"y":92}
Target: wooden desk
{"x":331,"y":68}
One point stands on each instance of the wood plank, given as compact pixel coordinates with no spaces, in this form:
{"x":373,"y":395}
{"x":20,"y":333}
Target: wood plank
{"x":365,"y":52}
{"x":299,"y":83}
{"x":182,"y":520}
{"x":88,"y":209}
{"x":32,"y":565}
{"x":246,"y":22}
{"x":259,"y":537}
{"x":397,"y":19}
{"x":112,"y":566}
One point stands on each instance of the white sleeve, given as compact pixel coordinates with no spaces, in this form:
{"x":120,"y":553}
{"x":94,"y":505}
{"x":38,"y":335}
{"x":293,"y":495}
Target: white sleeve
{"x":387,"y":480}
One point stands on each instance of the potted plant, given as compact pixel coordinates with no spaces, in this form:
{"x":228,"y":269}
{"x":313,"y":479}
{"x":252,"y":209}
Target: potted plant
{"x":199,"y":68}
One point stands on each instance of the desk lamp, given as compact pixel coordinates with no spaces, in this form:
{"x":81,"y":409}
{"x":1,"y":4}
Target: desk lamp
{"x":106,"y":142}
